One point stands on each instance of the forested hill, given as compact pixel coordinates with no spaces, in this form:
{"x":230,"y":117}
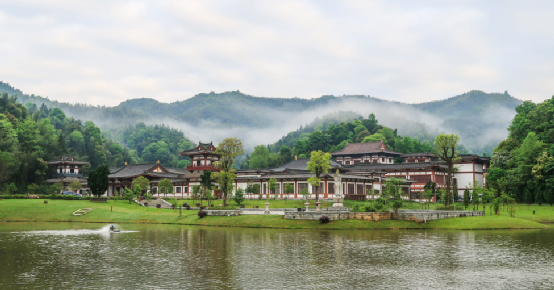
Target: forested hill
{"x":479,"y":118}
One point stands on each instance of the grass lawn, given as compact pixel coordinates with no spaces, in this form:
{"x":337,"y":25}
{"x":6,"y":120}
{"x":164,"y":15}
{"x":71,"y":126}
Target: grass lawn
{"x":34,"y":210}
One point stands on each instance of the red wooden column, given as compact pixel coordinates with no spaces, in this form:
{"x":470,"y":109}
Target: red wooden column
{"x":295,"y":188}
{"x":326,"y":196}
{"x":281,"y":188}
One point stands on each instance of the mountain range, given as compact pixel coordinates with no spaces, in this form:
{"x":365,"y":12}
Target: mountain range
{"x":479,"y":118}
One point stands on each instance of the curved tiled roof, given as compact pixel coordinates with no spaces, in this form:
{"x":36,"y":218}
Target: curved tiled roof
{"x":201,"y":148}
{"x":365,"y":148}
{"x":301,"y":164}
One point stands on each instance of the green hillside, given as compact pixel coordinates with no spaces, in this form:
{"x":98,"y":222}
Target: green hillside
{"x":479,"y":118}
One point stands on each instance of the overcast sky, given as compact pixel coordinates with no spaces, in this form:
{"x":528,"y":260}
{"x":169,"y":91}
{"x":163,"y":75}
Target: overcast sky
{"x":104,"y":52}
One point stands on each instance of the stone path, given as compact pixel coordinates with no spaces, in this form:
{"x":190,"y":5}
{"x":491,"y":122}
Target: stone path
{"x":154,"y":202}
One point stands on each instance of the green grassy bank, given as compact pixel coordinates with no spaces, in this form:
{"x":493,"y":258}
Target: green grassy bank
{"x":33,"y":210}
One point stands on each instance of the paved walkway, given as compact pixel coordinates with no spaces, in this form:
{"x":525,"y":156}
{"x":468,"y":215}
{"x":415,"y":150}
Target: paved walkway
{"x":154,"y":202}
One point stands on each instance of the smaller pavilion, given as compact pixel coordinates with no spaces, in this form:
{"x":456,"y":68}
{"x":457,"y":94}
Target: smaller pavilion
{"x":67,"y":170}
{"x":203,"y":157}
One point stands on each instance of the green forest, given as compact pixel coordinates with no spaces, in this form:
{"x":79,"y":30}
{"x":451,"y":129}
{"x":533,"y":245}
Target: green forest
{"x":464,"y":114}
{"x":523,"y":164}
{"x":30,"y":136}
{"x":332,"y":136}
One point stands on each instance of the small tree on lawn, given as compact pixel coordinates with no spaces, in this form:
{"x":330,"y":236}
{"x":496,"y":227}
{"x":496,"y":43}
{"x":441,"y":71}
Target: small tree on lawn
{"x":393,"y":194}
{"x":305,"y":193}
{"x":141,"y":182}
{"x":249,"y":189}
{"x":466,"y":198}
{"x":165,"y":186}
{"x":98,"y":180}
{"x":59,"y":186}
{"x":475,"y":198}
{"x":319,"y":163}
{"x":53,"y":189}
{"x":239,"y":196}
{"x":128,"y":194}
{"x":207,"y":185}
{"x":226,"y":180}
{"x":428,"y":196}
{"x":289,"y":188}
{"x":445,"y":147}
{"x":195,"y":192}
{"x":75,"y":186}
{"x":272,"y":184}
{"x":32,"y":188}
{"x":258,"y":190}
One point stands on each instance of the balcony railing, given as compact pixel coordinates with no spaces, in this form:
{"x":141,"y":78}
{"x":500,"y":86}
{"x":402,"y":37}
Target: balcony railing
{"x":194,"y":167}
{"x":56,"y":175}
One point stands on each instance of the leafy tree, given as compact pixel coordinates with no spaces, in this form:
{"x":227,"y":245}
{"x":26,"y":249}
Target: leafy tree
{"x":259,"y":158}
{"x":445,"y":148}
{"x":239,"y":196}
{"x":32,"y":188}
{"x":305,"y":193}
{"x":75,"y":186}
{"x":206,"y":183}
{"x":195,"y":192}
{"x":225,"y":180}
{"x":53,"y":189}
{"x":141,"y":182}
{"x":11,"y":188}
{"x":249,"y":189}
{"x":466,"y":198}
{"x":319,"y":163}
{"x":229,"y":149}
{"x":98,"y":180}
{"x":528,"y":196}
{"x":375,"y":137}
{"x":165,"y":186}
{"x":129,"y":194}
{"x":288,"y":189}
{"x":392,"y":193}
{"x":59,"y":186}
{"x":428,"y":193}
{"x":475,"y":196}
{"x":272,"y":185}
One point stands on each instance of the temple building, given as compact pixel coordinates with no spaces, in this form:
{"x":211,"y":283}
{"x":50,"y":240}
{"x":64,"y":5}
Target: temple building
{"x":365,"y":168}
{"x":373,"y":152}
{"x":203,"y":157}
{"x":68,"y":169}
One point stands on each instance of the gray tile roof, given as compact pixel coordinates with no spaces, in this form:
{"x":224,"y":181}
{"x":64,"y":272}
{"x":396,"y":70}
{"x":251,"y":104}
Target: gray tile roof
{"x":365,"y":148}
{"x":132,"y":170}
{"x":300,"y":164}
{"x":389,"y":167}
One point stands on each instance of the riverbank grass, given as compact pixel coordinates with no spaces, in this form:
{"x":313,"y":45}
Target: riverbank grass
{"x":33,"y":210}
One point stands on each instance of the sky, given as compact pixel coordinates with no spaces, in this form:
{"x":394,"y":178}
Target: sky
{"x":105,"y":52}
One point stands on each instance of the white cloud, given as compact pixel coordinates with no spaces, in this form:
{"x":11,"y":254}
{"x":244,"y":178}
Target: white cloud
{"x":104,"y":52}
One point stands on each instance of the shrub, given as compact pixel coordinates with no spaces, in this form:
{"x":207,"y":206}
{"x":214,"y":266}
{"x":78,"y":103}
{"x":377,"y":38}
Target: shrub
{"x":45,"y":201}
{"x":369,"y":207}
{"x":324,"y":219}
{"x":202,"y":214}
{"x":185,"y":204}
{"x":197,"y":205}
{"x":242,"y":206}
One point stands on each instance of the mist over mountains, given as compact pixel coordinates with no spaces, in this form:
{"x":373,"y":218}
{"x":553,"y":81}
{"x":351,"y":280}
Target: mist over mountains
{"x":481,"y":119}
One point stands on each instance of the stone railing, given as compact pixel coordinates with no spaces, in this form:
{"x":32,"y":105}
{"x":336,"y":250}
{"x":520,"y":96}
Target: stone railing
{"x":222,"y":212}
{"x":429,"y":215}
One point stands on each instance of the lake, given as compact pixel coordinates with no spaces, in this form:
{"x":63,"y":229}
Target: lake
{"x":87,"y":256}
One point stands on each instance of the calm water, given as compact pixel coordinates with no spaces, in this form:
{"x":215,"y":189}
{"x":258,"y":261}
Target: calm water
{"x":82,"y":256}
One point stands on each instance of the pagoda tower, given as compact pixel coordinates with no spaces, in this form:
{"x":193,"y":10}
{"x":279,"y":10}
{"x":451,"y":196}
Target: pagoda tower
{"x":203,"y":157}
